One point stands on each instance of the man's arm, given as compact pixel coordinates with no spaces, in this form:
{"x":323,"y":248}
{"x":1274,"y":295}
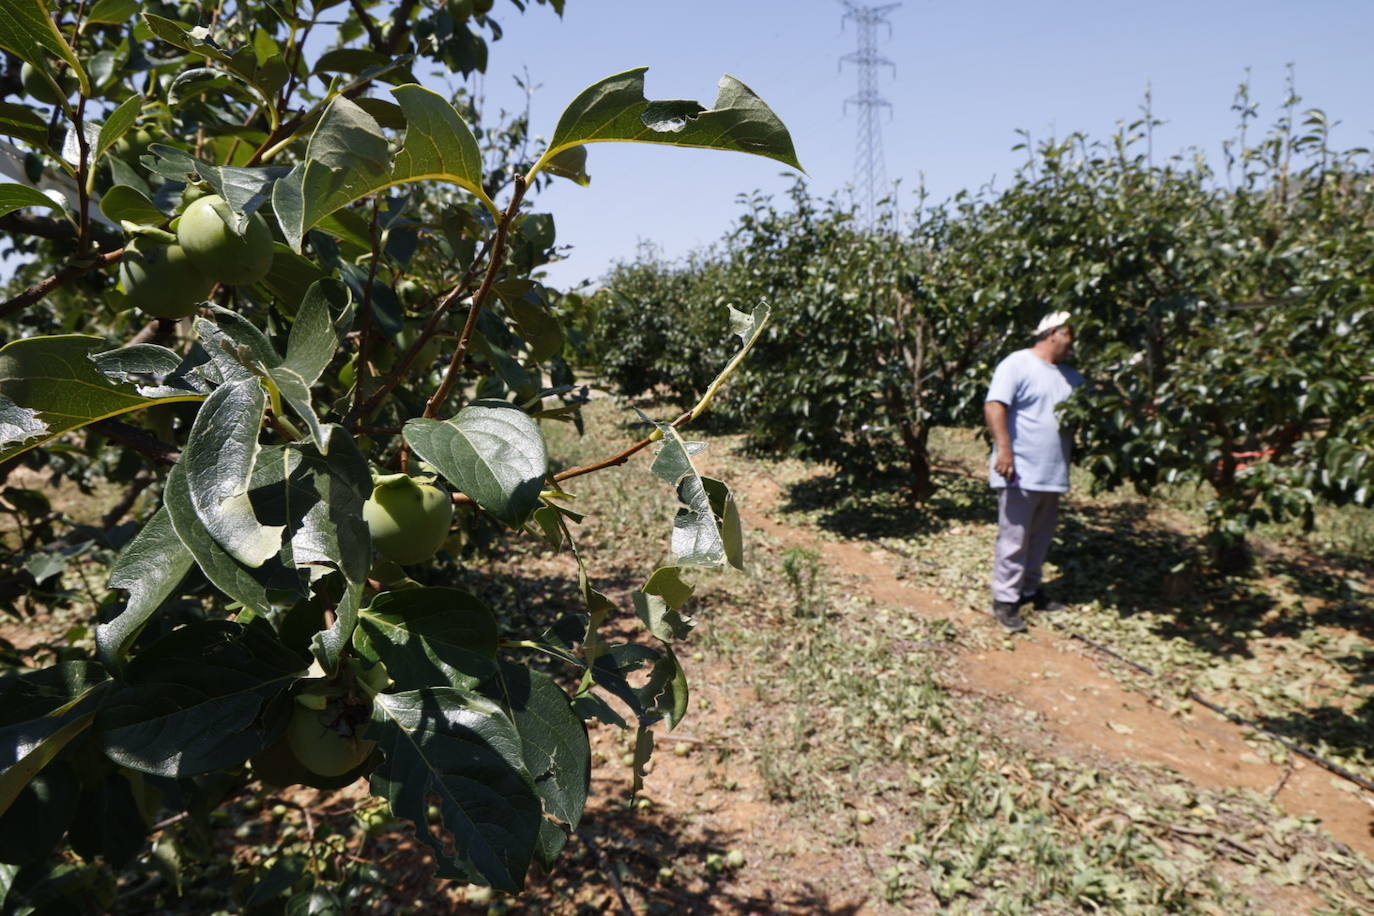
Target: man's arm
{"x":995,"y":413}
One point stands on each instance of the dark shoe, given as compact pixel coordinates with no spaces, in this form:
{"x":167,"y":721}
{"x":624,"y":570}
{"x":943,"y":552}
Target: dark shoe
{"x":1043,"y":602}
{"x":1007,"y":616}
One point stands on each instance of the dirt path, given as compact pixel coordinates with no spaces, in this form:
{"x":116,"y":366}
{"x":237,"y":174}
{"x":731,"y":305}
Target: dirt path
{"x":1052,"y":675}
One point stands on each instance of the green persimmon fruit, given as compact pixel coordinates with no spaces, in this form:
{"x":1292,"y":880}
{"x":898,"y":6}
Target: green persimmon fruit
{"x":205,"y":231}
{"x":429,"y":351}
{"x":409,"y":519}
{"x":325,"y":741}
{"x":134,"y":144}
{"x":161,"y":280}
{"x":411,"y":293}
{"x":194,"y":192}
{"x":38,"y":89}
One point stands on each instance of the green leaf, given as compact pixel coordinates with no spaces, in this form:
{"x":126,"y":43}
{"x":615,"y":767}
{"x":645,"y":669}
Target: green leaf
{"x":118,"y":123}
{"x":553,"y":742}
{"x":36,"y":746}
{"x":660,"y":601}
{"x":49,"y":386}
{"x":697,"y":539}
{"x":615,"y":109}
{"x":123,"y":203}
{"x":537,"y":326}
{"x":290,"y":277}
{"x":194,"y":699}
{"x":348,"y":157}
{"x":23,"y":123}
{"x":219,"y":458}
{"x":186,"y":38}
{"x":570,"y":163}
{"x":202,"y":80}
{"x":150,"y":567}
{"x":430,"y":637}
{"x":111,"y":823}
{"x":312,"y":343}
{"x":461,"y":750}
{"x":236,"y":344}
{"x":28,"y":30}
{"x":666,"y":691}
{"x":43,"y":711}
{"x":489,"y":450}
{"x":114,"y":12}
{"x":243,"y":189}
{"x":258,"y":589}
{"x":727,"y":516}
{"x":439,"y":144}
{"x":17,"y":196}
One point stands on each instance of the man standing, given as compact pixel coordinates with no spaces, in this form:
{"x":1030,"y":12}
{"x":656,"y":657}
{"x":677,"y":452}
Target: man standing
{"x":1029,"y":464}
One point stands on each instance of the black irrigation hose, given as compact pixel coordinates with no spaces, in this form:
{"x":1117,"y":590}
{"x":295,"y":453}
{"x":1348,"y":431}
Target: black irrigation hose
{"x":1198,"y":698}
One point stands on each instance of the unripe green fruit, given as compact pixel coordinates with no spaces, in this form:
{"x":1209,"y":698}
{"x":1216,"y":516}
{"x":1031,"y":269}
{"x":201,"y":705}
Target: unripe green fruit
{"x":38,"y":89}
{"x":409,"y":520}
{"x":193,"y":193}
{"x":134,"y":144}
{"x":160,"y":279}
{"x":429,"y":352}
{"x":411,"y":293}
{"x":205,"y":231}
{"x":325,"y":742}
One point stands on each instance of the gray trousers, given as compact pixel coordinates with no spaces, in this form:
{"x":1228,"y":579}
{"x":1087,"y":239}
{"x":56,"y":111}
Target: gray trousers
{"x":1025,"y":526}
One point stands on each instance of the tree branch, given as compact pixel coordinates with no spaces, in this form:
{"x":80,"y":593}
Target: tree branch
{"x":398,"y":372}
{"x":40,"y":289}
{"x":141,"y":441}
{"x":498,"y":257}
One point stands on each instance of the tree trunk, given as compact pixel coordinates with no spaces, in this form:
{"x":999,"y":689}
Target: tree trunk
{"x":914,"y":438}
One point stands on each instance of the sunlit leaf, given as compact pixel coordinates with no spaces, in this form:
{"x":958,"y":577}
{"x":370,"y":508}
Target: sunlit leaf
{"x":491,"y":451}
{"x":615,"y":109}
{"x":27,"y":29}
{"x":52,"y":382}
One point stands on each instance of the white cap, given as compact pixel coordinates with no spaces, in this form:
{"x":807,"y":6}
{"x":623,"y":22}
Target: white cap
{"x":1051,"y":321}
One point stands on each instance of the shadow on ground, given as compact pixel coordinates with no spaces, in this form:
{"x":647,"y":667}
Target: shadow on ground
{"x":660,"y":871}
{"x":1113,"y":553}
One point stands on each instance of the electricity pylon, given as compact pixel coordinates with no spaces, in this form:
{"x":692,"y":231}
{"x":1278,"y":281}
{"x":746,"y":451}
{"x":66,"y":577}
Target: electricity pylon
{"x":870,"y":174}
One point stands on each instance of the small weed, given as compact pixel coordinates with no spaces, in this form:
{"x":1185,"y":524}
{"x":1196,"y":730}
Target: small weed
{"x":801,"y":569}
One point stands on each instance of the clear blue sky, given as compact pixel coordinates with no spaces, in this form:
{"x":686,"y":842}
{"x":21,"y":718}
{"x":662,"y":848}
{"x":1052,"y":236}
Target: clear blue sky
{"x":967,"y":76}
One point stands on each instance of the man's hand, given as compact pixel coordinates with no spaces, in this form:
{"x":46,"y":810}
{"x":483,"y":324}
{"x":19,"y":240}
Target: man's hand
{"x":995,"y":412}
{"x":1005,"y":465}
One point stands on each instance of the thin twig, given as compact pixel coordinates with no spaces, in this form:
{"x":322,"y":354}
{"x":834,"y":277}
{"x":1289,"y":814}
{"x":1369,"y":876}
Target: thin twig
{"x":154,"y":332}
{"x":40,"y":289}
{"x":498,"y":258}
{"x":609,"y":872}
{"x":398,"y":372}
{"x":145,"y":443}
{"x":142,"y":480}
{"x":362,"y":370}
{"x":620,"y":458}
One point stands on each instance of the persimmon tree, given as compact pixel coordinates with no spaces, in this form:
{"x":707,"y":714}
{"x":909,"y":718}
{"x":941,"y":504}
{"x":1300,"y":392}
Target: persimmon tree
{"x":365,"y":351}
{"x":1224,"y":319}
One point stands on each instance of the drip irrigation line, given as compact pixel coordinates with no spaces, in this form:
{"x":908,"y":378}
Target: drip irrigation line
{"x":1196,"y":697}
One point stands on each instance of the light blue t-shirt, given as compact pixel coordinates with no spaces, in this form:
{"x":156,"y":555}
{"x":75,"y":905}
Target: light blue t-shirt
{"x":1032,"y":388}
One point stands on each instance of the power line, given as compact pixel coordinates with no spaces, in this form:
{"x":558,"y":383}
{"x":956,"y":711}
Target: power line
{"x":870,"y":173}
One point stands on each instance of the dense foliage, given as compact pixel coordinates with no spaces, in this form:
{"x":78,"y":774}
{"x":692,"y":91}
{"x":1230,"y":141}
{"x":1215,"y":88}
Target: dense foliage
{"x":273,"y":321}
{"x":1225,"y":319}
